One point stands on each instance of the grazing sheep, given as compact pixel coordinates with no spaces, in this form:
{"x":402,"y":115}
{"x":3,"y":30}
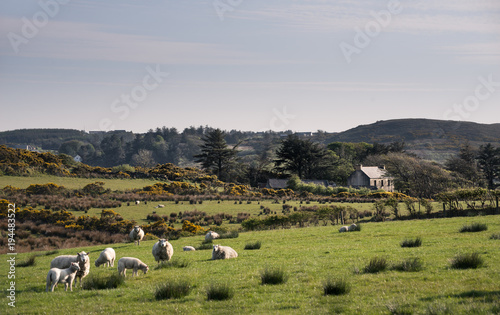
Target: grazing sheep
{"x":188,"y":248}
{"x":66,"y":276}
{"x":223,"y":252}
{"x":131,"y":263}
{"x":136,"y":234}
{"x":211,"y":235}
{"x":162,"y":250}
{"x":353,"y":227}
{"x":64,"y":261}
{"x":344,"y":229}
{"x":137,"y":202}
{"x":107,"y":257}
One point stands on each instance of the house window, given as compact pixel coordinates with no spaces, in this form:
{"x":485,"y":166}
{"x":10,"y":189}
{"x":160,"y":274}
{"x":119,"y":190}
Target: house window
{"x":382,"y":182}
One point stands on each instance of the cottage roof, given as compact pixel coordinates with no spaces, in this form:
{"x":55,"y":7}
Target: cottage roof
{"x":374,"y":171}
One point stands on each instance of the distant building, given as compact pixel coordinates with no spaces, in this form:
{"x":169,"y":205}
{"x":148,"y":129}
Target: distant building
{"x":373,"y":177}
{"x":78,"y":158}
{"x":24,"y":147}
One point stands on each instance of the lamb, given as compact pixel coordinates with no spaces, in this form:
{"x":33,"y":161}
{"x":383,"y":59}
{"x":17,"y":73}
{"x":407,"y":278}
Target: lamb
{"x":188,"y":248}
{"x":162,"y":250}
{"x":64,"y":261}
{"x":344,"y":229}
{"x":211,"y":235}
{"x":131,"y":263}
{"x":107,"y":257}
{"x":66,"y":276}
{"x":223,"y":252}
{"x":136,"y":234}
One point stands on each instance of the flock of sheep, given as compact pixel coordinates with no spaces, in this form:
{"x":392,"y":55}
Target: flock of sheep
{"x":65,"y":268}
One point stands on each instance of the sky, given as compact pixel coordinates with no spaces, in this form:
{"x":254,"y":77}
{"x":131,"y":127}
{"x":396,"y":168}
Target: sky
{"x":252,"y":65}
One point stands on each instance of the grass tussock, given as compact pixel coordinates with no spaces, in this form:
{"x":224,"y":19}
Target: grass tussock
{"x":219,"y":292}
{"x":409,"y":265}
{"x":205,"y":246}
{"x":495,"y":236}
{"x":230,"y":234}
{"x":31,"y":261}
{"x":417,"y":242}
{"x":99,"y":282}
{"x":376,"y":264}
{"x":174,"y":263}
{"x":467,"y":261}
{"x":474,"y":227}
{"x":173,"y":289}
{"x":252,"y":246}
{"x":336,"y":287}
{"x":273,"y":276}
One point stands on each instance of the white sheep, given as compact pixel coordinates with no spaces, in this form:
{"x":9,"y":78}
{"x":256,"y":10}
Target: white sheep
{"x":344,"y":229}
{"x":223,"y":252}
{"x":160,"y":206}
{"x":66,"y":276}
{"x":136,"y":234}
{"x":353,"y":227}
{"x":107,"y":257}
{"x":188,"y":248}
{"x":64,"y":261}
{"x":137,"y":202}
{"x":131,"y":263}
{"x":162,"y":250}
{"x":211,"y":235}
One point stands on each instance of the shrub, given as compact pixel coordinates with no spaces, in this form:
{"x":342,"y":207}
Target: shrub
{"x":336,"y":287}
{"x":230,"y":234}
{"x":273,"y":276}
{"x":410,"y":265}
{"x":173,"y":289}
{"x":31,"y":261}
{"x":174,"y":263}
{"x":252,"y":246}
{"x":376,"y":264}
{"x":495,"y":236}
{"x":98,"y":282}
{"x":467,"y":261}
{"x":474,"y":227}
{"x":219,"y":292}
{"x":412,"y":243}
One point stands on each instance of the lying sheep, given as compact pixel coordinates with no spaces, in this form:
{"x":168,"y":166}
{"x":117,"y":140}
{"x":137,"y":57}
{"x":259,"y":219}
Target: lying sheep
{"x":353,"y":227}
{"x":344,"y":229}
{"x":64,"y":261}
{"x":107,"y":257}
{"x":136,"y":234}
{"x":223,"y":252}
{"x":188,"y":248}
{"x":162,"y":250}
{"x":131,"y":263}
{"x":160,"y":206}
{"x":66,"y":276}
{"x":211,"y":235}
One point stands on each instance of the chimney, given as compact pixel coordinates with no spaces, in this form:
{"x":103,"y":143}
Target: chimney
{"x":382,"y":167}
{"x":358,"y":167}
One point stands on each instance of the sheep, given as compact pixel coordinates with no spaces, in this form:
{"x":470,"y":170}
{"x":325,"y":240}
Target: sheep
{"x":64,"y":261}
{"x":160,"y":206}
{"x":188,"y":248}
{"x":162,"y":250}
{"x":66,"y":276}
{"x":137,"y":202}
{"x":344,"y":229}
{"x":223,"y":252}
{"x":136,"y":234}
{"x":131,"y":263}
{"x":107,"y":257}
{"x":353,"y":227}
{"x":211,"y":235}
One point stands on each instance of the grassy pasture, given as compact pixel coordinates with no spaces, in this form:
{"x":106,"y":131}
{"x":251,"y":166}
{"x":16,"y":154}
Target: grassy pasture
{"x":309,"y":256}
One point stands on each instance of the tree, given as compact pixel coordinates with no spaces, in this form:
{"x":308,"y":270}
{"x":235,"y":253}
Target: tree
{"x":216,"y":156}
{"x":465,"y":166}
{"x":303,"y":158}
{"x":488,"y":159}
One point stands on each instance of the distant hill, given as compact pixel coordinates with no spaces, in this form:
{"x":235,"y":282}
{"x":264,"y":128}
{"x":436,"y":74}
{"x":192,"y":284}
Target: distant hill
{"x":431,"y":139}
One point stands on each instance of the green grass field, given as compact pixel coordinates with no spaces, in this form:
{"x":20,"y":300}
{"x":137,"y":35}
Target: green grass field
{"x":309,"y":256}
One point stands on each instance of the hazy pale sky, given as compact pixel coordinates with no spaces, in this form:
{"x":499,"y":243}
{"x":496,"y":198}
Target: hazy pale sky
{"x":246,"y":64}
